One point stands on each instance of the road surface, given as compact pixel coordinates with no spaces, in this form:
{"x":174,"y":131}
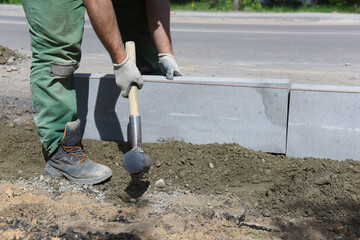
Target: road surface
{"x":305,"y":48}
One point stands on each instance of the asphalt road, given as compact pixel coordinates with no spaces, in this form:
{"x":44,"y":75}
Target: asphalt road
{"x":306,"y":48}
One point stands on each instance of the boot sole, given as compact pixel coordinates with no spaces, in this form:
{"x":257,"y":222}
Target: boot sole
{"x":51,"y":171}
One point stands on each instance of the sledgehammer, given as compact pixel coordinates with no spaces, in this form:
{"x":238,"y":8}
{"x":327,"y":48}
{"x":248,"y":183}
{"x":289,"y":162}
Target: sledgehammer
{"x":135,"y":161}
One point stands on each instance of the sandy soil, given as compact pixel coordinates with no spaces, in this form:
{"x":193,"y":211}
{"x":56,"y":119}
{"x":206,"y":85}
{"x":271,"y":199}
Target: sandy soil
{"x":191,"y":192}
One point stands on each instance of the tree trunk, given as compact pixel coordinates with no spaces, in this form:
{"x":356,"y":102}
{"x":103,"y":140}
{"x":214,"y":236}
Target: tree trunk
{"x":236,"y":5}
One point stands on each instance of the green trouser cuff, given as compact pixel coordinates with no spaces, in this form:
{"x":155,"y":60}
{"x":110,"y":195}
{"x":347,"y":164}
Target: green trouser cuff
{"x":56,"y":29}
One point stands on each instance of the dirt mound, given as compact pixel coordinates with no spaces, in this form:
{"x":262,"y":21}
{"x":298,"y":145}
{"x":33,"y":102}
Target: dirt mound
{"x":319,"y":192}
{"x":10,"y":57}
{"x":274,"y":184}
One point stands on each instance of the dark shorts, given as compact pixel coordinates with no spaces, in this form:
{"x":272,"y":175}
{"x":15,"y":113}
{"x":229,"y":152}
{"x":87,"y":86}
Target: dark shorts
{"x":132,"y":21}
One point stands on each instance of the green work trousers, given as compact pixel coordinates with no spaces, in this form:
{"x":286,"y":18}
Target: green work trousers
{"x":133,"y":25}
{"x":56,"y":29}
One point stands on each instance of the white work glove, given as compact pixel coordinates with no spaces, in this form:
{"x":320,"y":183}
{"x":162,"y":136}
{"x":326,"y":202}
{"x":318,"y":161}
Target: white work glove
{"x":126,"y":76}
{"x":168,"y":66}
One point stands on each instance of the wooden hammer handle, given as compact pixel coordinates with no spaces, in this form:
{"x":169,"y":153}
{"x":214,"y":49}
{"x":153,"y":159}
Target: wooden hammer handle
{"x":133,"y":94}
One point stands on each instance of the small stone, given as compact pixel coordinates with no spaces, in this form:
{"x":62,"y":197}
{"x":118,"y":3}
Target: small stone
{"x":322,"y":181}
{"x":160,"y":183}
{"x":347,"y":64}
{"x":9,"y":70}
{"x":132,"y":200}
{"x":28,"y":55}
{"x":158,"y":163}
{"x":42,"y":178}
{"x":9,"y":193}
{"x":1,"y":54}
{"x":57,"y":198}
{"x":211,"y":165}
{"x":11,"y":124}
{"x":268,"y":193}
{"x":34,"y":222}
{"x":182,"y":173}
{"x":28,"y":128}
{"x":266,"y":213}
{"x":329,"y":228}
{"x":14,"y":68}
{"x":309,"y":212}
{"x":11,"y":60}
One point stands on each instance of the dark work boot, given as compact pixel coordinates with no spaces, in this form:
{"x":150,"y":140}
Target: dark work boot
{"x":70,"y":161}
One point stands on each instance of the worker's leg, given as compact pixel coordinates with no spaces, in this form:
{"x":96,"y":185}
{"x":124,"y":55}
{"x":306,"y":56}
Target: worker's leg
{"x":56,"y":29}
{"x":132,"y":21}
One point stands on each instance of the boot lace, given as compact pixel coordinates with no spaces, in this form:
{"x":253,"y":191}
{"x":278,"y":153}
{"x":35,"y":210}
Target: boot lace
{"x":77,"y":150}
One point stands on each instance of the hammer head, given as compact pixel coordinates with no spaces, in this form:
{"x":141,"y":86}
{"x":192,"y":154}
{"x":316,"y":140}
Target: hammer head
{"x":136,"y":161}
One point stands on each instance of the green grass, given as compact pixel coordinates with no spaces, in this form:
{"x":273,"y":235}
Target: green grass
{"x":226,"y":7}
{"x":10,"y":1}
{"x":201,"y":6}
{"x":317,"y":8}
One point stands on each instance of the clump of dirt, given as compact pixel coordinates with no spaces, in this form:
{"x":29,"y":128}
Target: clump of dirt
{"x":9,"y":56}
{"x":273,"y":186}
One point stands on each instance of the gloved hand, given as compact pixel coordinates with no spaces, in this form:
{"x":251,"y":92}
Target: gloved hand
{"x":168,"y":66}
{"x":126,"y":76}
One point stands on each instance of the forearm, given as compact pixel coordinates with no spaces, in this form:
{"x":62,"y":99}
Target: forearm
{"x":158,"y":16}
{"x":103,"y":20}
